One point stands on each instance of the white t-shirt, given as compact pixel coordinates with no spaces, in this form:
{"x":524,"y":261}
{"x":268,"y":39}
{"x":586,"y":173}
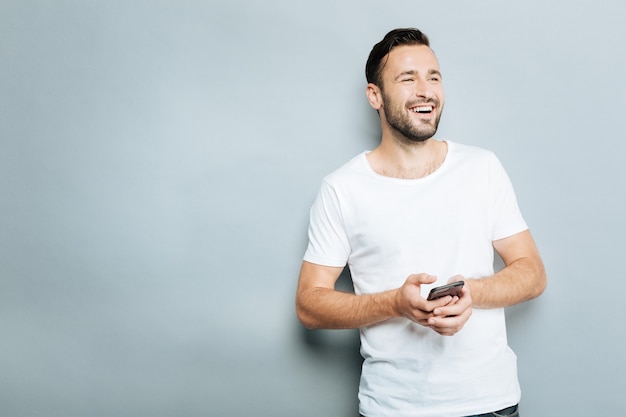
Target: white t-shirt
{"x":443,"y":224}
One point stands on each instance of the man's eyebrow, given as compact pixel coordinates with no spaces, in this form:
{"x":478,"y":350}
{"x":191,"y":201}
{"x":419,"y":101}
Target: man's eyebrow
{"x":408,"y":72}
{"x":415,"y":72}
{"x":434,"y":72}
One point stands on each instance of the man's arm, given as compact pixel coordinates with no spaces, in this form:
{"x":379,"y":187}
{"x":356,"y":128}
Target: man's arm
{"x":319,"y":305}
{"x":523,"y":277}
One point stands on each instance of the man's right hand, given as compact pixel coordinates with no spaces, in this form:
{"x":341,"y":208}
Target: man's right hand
{"x":412,"y":305}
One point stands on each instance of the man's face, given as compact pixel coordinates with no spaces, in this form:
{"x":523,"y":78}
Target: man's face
{"x":412,"y":93}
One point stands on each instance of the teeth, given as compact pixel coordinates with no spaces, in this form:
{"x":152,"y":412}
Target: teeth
{"x":423,"y":109}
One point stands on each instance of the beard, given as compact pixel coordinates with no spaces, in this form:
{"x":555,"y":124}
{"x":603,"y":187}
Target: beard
{"x":401,"y":122}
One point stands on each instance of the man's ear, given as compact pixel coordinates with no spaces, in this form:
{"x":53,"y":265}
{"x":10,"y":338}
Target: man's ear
{"x":374,"y":96}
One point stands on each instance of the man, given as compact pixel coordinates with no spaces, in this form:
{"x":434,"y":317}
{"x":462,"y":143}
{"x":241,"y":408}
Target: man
{"x":410,"y":215}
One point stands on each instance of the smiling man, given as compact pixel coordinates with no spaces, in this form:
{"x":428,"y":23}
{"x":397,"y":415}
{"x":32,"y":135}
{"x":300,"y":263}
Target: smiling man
{"x":412,"y":214}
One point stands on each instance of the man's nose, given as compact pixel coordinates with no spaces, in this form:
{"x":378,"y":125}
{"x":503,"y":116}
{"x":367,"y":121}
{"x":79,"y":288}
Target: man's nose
{"x":422,"y":88}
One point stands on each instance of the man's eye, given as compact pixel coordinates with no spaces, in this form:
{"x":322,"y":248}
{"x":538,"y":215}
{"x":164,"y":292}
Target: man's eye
{"x":408,"y":80}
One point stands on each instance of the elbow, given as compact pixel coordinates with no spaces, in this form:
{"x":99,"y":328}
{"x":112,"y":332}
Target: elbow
{"x":307,"y":323}
{"x":305,"y":318}
{"x":541,"y":283}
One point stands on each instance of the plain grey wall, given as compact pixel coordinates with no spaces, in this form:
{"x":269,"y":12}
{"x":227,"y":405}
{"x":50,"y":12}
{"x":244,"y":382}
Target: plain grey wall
{"x":158,"y":160}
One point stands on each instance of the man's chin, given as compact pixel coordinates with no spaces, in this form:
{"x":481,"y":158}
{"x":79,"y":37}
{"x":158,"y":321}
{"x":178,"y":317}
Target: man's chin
{"x":410,"y":133}
{"x":421,"y":135}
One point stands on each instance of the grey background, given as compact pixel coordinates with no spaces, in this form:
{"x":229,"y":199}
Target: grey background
{"x":158,"y":160}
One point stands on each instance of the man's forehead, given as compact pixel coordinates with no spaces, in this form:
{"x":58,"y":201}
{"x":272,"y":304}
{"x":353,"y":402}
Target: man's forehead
{"x":418,"y":56}
{"x":411,"y":59}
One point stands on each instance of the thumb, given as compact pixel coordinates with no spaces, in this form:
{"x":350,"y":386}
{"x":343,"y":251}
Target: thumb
{"x":419,"y":279}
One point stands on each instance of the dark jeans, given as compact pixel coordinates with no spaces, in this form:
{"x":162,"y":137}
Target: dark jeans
{"x":506,"y":412}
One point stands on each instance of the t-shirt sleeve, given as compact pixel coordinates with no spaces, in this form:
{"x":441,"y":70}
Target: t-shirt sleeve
{"x":328,"y":241}
{"x":507,"y":217}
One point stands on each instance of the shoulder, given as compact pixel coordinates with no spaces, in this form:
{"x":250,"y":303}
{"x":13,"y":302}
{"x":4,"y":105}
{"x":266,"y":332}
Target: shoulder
{"x":357,"y":166}
{"x":473,"y":162}
{"x":473,"y":157}
{"x":463,"y":151}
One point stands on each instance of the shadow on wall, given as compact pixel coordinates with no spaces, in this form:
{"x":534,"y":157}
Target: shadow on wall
{"x":334,"y":340}
{"x":337,"y":351}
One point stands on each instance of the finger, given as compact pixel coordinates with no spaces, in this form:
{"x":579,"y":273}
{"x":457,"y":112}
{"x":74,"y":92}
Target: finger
{"x":419,"y":279}
{"x":446,"y":326}
{"x":456,"y":278}
{"x":459,"y":308}
{"x":420,"y":316}
{"x":423,"y":322}
{"x":453,"y":308}
{"x":455,"y":322}
{"x":440,"y":302}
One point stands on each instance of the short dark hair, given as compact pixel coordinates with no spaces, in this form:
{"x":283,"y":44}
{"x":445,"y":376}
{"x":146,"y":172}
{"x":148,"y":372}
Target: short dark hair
{"x":397,"y":37}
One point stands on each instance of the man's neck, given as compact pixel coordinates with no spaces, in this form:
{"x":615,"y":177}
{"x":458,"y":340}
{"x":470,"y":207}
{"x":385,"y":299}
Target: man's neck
{"x":408,"y":160}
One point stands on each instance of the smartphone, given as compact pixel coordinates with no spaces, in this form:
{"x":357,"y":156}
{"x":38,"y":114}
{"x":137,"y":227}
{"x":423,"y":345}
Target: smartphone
{"x":450,"y":289}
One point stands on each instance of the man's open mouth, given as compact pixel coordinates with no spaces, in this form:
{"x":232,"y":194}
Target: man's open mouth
{"x":422,"y":109}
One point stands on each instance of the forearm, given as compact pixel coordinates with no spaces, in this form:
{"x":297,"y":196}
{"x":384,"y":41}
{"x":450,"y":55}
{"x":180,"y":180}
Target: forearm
{"x":522,"y":280}
{"x":325,"y":308}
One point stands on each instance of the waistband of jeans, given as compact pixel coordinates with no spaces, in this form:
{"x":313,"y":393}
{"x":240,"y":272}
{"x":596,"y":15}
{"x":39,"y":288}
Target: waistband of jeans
{"x":504,"y":412}
{"x":508,"y":410}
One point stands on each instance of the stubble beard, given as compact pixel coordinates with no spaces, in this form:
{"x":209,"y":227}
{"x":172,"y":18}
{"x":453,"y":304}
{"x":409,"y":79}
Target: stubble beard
{"x":408,"y":131}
